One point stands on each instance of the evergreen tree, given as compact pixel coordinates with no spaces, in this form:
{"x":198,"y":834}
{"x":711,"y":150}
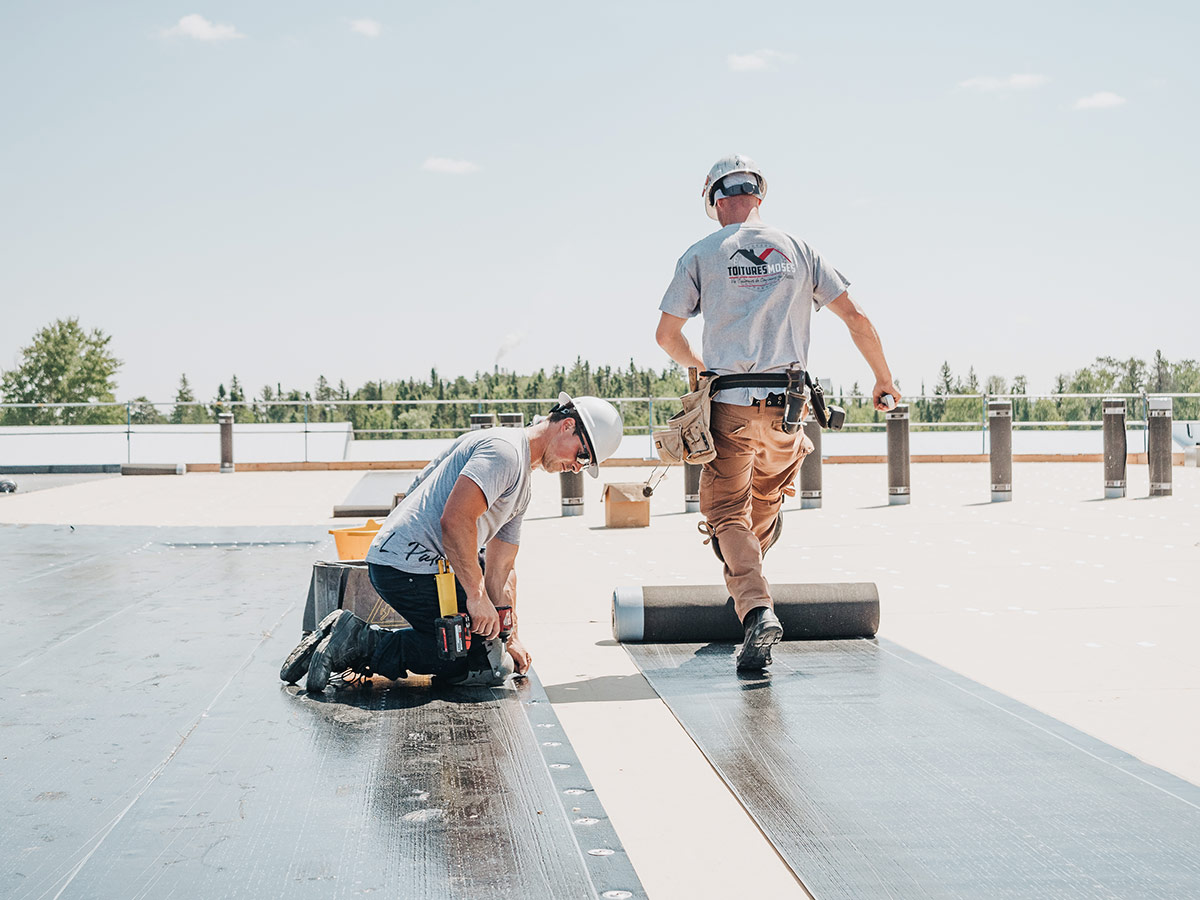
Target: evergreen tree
{"x":242,"y":411}
{"x":143,"y":412}
{"x":183,"y":413}
{"x":220,"y":403}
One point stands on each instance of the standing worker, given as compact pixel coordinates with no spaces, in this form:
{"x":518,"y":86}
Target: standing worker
{"x":472,"y":496}
{"x":756,"y":287}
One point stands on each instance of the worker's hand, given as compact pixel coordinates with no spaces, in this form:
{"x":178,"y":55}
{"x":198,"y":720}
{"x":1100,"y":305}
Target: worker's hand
{"x":881,"y":388}
{"x":520,"y":655}
{"x":485,"y":621}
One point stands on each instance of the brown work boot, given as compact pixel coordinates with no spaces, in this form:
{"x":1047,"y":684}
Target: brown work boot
{"x":763,"y":631}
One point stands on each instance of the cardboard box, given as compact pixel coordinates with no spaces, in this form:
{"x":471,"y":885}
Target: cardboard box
{"x":625,"y":506}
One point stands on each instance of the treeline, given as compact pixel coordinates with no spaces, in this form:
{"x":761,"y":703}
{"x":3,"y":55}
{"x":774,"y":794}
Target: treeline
{"x":66,"y":364}
{"x":375,"y":414}
{"x":1107,"y":375}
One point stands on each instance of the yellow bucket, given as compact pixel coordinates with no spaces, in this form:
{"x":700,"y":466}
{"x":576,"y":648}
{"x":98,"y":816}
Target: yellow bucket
{"x":353,"y":543}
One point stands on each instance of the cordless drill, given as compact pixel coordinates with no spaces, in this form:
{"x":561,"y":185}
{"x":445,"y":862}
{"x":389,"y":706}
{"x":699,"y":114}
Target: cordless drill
{"x":453,"y":628}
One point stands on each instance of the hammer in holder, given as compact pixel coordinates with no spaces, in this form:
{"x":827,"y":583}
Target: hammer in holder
{"x":793,"y":409}
{"x":827,"y":416}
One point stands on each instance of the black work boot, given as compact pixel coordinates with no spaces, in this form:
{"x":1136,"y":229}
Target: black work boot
{"x":348,"y":646}
{"x":763,"y":631}
{"x":297,"y":662}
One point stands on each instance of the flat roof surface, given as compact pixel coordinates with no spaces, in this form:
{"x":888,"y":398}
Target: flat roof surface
{"x":1079,"y":607}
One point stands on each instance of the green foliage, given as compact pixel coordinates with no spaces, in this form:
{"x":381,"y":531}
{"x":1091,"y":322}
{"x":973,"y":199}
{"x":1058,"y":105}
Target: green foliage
{"x":143,"y":412}
{"x":66,"y":364}
{"x":183,"y":413}
{"x":63,"y":364}
{"x":383,"y":417}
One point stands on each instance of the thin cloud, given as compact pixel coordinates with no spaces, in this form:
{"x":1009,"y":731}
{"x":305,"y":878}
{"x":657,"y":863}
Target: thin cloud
{"x":444,"y":166}
{"x":367,"y":27}
{"x":758,"y":61}
{"x":1100,"y":100}
{"x":199,"y":28}
{"x":990,"y":84}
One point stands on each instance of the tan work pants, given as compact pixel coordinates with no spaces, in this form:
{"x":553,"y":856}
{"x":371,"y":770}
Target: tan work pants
{"x":741,"y":492}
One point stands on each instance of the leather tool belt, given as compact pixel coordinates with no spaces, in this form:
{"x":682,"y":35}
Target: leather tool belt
{"x":688,"y":435}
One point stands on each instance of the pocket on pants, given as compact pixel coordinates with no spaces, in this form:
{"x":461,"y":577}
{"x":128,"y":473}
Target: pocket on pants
{"x":726,"y":423}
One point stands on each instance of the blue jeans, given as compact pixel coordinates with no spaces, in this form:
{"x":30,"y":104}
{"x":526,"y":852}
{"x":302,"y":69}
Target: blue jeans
{"x":415,"y":649}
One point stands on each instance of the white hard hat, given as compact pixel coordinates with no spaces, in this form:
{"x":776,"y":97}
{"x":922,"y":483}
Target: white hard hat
{"x":730,"y":165}
{"x":603,"y":427}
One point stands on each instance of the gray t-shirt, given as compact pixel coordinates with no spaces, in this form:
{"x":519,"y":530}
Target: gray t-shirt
{"x":496,"y":459}
{"x":756,"y":287}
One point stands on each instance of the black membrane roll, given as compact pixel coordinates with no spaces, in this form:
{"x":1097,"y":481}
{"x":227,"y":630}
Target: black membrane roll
{"x":684,"y":614}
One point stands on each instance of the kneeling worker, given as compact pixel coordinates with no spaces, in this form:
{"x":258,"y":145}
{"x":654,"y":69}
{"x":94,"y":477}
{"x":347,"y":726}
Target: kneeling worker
{"x":472,"y":496}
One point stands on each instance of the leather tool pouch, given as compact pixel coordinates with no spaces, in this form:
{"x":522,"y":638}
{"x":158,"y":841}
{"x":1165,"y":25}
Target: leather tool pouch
{"x":688,"y":435}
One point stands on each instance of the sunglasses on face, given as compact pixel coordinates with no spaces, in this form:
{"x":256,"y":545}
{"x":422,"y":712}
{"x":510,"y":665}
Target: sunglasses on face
{"x":583,"y":457}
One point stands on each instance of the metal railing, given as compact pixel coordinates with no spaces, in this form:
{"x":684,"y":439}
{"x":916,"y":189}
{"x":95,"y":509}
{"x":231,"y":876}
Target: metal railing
{"x":1048,"y":411}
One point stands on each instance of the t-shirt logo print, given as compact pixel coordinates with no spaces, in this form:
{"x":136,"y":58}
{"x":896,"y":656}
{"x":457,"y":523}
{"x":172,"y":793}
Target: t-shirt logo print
{"x":759,"y":268}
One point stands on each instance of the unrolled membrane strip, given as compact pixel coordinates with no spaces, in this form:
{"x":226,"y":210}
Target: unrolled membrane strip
{"x":666,"y":614}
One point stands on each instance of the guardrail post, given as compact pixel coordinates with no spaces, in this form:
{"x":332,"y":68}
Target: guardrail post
{"x":898,"y":456}
{"x":810,"y":469}
{"x":128,"y":432}
{"x":225,"y":420}
{"x":572,"y":493}
{"x":691,"y":487}
{"x":1158,"y":424}
{"x":1000,"y":451}
{"x":984,"y":423}
{"x":1115,"y":449}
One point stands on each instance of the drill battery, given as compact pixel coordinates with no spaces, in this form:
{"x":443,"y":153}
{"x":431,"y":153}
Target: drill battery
{"x":453,"y":636}
{"x":454,"y":632}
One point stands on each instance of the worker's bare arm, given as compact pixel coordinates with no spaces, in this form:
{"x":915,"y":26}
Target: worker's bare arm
{"x":671,"y":338}
{"x":499,"y":557}
{"x":460,"y":536}
{"x":866,"y":339}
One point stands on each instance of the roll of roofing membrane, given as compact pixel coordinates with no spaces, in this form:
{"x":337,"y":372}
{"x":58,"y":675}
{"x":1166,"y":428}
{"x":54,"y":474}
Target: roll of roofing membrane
{"x":675,"y":614}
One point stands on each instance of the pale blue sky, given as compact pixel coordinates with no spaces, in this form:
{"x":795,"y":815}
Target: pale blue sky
{"x":280,"y":190}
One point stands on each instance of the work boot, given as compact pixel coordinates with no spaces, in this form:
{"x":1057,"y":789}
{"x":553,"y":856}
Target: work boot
{"x":348,"y":645}
{"x":763,"y":631}
{"x":490,"y":672}
{"x":297,"y":662}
